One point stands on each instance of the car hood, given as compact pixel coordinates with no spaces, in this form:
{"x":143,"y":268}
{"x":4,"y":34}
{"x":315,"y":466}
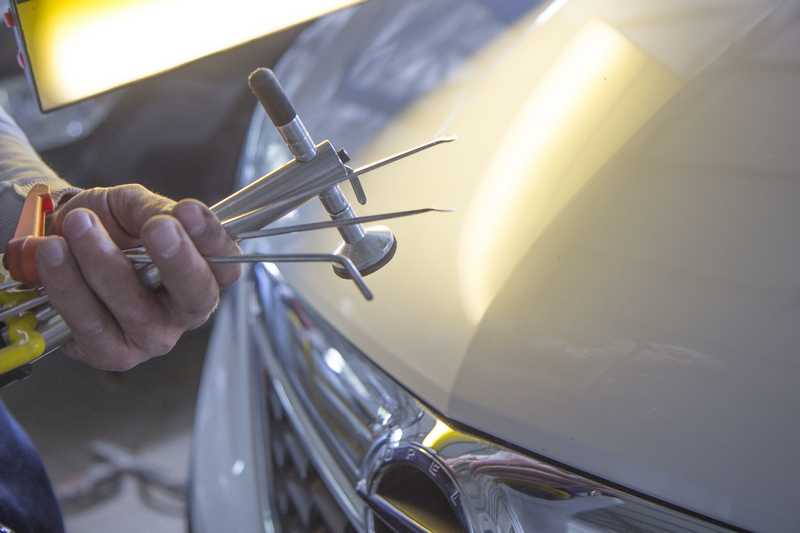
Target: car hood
{"x":617,"y":288}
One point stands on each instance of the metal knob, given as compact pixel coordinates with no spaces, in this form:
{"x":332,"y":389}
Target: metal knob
{"x":368,"y":248}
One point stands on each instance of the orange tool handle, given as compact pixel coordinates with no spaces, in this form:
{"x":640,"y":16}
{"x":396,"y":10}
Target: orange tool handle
{"x":20,"y":258}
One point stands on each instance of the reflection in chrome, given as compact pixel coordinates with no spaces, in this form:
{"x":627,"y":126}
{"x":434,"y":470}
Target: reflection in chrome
{"x":390,"y":464}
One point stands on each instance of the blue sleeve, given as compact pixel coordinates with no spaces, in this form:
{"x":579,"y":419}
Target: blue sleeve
{"x":27,"y":502}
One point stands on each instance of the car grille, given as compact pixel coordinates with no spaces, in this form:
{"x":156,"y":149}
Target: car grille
{"x":300,"y":500}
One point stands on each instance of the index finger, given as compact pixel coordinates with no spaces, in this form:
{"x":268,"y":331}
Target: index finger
{"x":122,"y":210}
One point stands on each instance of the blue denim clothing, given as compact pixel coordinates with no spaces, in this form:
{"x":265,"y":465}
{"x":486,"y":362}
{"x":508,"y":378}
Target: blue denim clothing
{"x":27,"y":502}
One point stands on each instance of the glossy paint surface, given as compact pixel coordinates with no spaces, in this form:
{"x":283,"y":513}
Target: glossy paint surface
{"x":618,"y":289}
{"x":228,"y":468}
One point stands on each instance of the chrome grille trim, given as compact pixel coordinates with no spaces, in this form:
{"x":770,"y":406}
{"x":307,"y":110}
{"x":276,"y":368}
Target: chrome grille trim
{"x":334,"y":478}
{"x":301,"y":500}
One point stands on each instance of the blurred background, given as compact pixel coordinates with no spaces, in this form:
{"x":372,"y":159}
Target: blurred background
{"x":178,"y":134}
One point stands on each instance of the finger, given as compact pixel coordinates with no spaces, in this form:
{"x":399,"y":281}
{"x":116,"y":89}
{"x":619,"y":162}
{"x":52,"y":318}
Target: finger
{"x":97,"y":339}
{"x":133,"y":205}
{"x":123,"y":210}
{"x":209,"y":237}
{"x":111,"y":277}
{"x":192,"y":291}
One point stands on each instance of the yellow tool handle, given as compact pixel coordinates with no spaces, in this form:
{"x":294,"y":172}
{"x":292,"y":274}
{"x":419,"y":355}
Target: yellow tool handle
{"x":16,"y":297}
{"x":25,"y":343}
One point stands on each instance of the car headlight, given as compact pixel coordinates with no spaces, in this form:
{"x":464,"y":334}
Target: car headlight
{"x":389,"y":463}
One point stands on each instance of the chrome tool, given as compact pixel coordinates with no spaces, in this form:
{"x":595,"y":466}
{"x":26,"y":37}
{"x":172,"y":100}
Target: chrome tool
{"x":33,"y":328}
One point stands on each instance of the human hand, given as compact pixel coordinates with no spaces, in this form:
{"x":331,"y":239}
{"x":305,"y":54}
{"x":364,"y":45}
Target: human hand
{"x":116,"y":321}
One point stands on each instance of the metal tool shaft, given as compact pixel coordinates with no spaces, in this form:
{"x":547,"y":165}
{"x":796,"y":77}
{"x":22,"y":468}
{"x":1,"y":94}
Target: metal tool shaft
{"x":5,"y":314}
{"x":344,"y":262}
{"x":314,"y":226}
{"x":402,"y":155}
{"x":293,"y":179}
{"x":7,"y":285}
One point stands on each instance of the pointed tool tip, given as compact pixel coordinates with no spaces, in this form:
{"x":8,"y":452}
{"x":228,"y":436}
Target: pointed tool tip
{"x":402,"y":155}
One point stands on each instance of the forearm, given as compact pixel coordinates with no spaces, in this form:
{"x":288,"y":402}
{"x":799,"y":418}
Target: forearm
{"x":20,"y":169}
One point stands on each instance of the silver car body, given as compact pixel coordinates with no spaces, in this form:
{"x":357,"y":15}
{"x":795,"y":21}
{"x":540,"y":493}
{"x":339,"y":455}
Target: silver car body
{"x":618,"y":289}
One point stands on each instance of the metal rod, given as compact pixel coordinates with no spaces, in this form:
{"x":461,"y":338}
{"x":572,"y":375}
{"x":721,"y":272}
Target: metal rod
{"x":45,"y":313}
{"x":11,"y":284}
{"x":313,"y":226}
{"x":55,"y":333}
{"x":402,"y":155}
{"x":21,"y":308}
{"x":345,"y":262}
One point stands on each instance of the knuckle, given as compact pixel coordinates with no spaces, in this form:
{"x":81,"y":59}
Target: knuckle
{"x":137,"y":201}
{"x":137,"y":320}
{"x":189,"y":201}
{"x":90,"y":327}
{"x":130,"y":189}
{"x":123,"y":196}
{"x":152,"y":344}
{"x":158,"y":219}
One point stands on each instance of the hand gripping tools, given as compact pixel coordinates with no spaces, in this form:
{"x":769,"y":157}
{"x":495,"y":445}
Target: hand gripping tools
{"x":34,"y":329}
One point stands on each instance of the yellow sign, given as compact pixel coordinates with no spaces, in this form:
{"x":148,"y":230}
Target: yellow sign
{"x":80,"y":48}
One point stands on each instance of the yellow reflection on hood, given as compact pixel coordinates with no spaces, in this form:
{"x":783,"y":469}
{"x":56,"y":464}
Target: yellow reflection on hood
{"x":439,"y":434}
{"x":595,"y":95}
{"x":79,"y":48}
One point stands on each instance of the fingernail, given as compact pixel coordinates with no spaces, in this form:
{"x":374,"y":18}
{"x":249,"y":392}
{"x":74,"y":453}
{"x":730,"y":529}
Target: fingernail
{"x":165,"y":238}
{"x":193,"y":218}
{"x":77,"y":224}
{"x":52,"y":252}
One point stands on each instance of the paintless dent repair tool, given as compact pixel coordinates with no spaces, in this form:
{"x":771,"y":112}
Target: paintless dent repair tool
{"x":33,"y":329}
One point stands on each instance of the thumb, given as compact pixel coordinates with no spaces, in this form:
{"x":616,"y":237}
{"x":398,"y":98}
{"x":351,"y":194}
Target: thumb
{"x":123,"y":210}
